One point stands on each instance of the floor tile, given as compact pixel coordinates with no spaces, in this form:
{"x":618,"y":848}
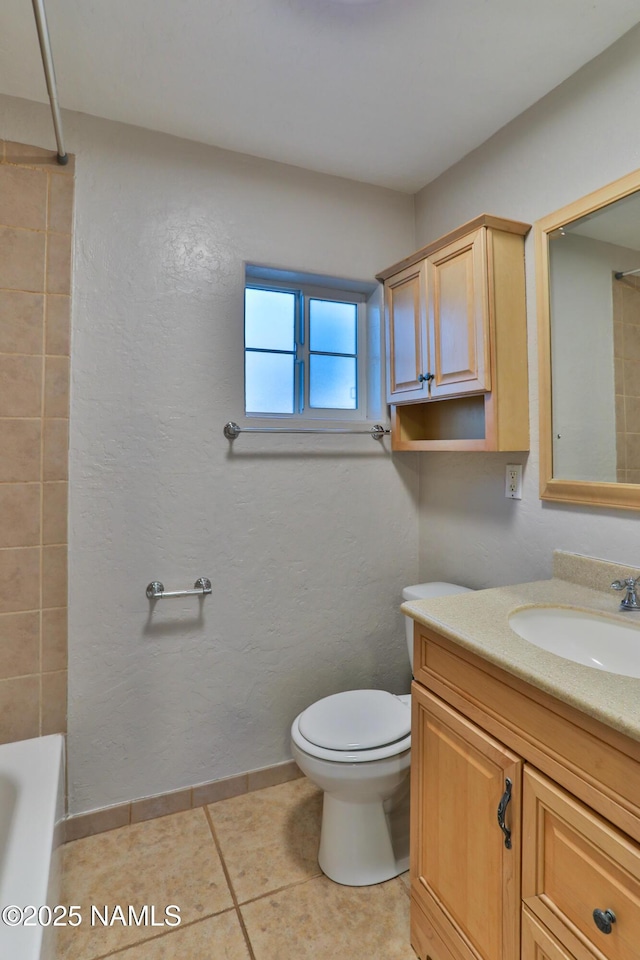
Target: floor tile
{"x":218,"y":938}
{"x":322,"y":920}
{"x":171,"y":860}
{"x":269,"y":838}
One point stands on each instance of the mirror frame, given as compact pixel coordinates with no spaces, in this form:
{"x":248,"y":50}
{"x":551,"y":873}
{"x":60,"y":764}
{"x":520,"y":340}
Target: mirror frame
{"x":595,"y":493}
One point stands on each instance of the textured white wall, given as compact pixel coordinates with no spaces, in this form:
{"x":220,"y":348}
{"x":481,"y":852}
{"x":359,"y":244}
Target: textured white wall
{"x":580,"y":137}
{"x":308,"y":541}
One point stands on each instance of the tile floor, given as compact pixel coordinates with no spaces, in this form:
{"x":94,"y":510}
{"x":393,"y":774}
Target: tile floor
{"x":245,"y":876}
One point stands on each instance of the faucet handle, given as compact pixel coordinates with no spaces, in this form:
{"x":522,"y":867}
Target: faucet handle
{"x":630,"y":600}
{"x":627,"y":584}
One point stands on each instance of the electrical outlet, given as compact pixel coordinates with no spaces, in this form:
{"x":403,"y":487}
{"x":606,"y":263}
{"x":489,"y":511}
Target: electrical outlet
{"x":513,"y":481}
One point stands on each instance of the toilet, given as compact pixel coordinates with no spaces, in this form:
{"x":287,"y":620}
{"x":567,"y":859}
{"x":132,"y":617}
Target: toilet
{"x":356,"y":746}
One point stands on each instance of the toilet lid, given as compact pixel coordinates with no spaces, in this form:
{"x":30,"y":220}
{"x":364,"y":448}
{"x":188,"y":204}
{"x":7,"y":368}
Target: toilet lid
{"x":355,"y":720}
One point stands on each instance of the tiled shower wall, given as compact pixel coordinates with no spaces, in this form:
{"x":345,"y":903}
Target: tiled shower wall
{"x":36,"y":219}
{"x":626,"y":328}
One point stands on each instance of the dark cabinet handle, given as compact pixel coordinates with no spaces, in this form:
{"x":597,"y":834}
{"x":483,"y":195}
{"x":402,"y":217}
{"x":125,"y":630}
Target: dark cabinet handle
{"x":604,"y":919}
{"x":502,"y":809}
{"x":426,"y":377}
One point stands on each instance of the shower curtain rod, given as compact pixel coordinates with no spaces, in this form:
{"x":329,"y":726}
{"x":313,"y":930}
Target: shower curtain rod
{"x":50,"y":76}
{"x":619,"y":275}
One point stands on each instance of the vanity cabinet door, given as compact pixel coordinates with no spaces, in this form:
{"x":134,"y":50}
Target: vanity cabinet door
{"x":459,"y":317}
{"x":575,"y":863}
{"x":406,"y":335}
{"x":464,"y":877}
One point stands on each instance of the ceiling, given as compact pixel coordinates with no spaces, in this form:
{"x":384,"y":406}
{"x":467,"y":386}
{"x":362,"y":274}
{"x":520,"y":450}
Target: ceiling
{"x":390,"y":92}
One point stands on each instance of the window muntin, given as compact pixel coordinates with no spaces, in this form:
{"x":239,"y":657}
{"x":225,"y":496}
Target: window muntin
{"x":304,"y":352}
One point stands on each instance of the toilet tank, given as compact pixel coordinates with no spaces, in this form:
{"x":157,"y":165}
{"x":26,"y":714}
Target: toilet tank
{"x":423,"y":591}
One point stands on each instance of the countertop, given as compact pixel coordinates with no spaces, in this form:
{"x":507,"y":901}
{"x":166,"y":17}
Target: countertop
{"x":479,"y":622}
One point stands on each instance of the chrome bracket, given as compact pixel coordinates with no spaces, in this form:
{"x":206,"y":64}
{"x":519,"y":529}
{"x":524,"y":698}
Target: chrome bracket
{"x":156,"y":591}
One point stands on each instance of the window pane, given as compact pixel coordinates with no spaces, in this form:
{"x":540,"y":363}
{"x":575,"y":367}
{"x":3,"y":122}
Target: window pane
{"x":332,"y":326}
{"x":269,"y":317}
{"x":332,"y":382}
{"x":268,"y":379}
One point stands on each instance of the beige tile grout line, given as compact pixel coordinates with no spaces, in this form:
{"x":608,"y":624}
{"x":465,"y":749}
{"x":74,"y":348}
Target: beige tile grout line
{"x":286,"y":886}
{"x":236,"y":905}
{"x":160,"y":936}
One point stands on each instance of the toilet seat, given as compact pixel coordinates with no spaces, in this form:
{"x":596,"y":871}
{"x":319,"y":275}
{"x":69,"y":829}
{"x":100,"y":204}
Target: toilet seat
{"x":355,"y":726}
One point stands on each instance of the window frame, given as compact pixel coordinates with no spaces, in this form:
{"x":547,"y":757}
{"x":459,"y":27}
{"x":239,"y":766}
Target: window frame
{"x":307,"y":291}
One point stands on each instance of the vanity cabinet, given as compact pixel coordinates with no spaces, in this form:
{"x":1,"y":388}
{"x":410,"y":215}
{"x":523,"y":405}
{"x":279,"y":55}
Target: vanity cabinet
{"x":455,"y":322}
{"x":465,"y":875}
{"x":573,"y":814}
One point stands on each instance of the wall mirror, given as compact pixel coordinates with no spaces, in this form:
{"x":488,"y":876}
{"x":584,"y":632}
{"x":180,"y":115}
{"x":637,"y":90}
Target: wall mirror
{"x":588,"y":288}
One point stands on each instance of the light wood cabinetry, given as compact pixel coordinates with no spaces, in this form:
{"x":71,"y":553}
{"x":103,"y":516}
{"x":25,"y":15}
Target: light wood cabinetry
{"x":574,"y":817}
{"x":458,"y":308}
{"x":465,"y":873}
{"x":455,"y":318}
{"x":406,"y":334}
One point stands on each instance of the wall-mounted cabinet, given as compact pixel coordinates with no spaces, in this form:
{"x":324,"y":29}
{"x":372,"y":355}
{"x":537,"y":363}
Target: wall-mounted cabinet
{"x":455,"y":321}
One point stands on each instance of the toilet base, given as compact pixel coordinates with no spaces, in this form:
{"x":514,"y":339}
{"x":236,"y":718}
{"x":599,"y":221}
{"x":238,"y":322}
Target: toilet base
{"x":362,"y":844}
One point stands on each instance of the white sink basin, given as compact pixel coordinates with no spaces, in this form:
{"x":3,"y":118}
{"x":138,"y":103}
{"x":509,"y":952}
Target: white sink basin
{"x":586,"y":638}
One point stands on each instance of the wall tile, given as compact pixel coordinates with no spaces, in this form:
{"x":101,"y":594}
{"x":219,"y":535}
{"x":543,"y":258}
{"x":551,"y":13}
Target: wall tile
{"x":631,"y":341}
{"x":22,"y":260}
{"x":56,"y":387}
{"x":220,"y":790}
{"x":19,"y":709}
{"x":54,"y":639}
{"x":19,"y":579}
{"x":58,"y":325}
{"x":19,"y":644}
{"x":633,"y":451}
{"x":20,"y":386}
{"x":56,"y":450}
{"x":20,"y":445}
{"x":89,"y":824}
{"x":54,"y":702}
{"x":54,"y":576}
{"x":19,"y":514}
{"x":54,"y":512}
{"x":272,"y":776}
{"x":25,"y":154}
{"x":36,"y":211}
{"x":620,"y":414}
{"x":161,"y":806}
{"x":61,"y":204}
{"x":632,"y":414}
{"x":59,"y":263}
{"x":21,"y":322}
{"x":631,"y":378}
{"x":23,"y":197}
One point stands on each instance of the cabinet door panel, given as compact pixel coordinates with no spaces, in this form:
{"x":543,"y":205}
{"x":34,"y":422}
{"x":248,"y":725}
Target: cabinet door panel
{"x":406,"y":330}
{"x":458,"y":317}
{"x":575,"y":862}
{"x":460,"y":863}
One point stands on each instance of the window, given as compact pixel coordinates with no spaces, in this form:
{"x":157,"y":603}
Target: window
{"x":305,"y":348}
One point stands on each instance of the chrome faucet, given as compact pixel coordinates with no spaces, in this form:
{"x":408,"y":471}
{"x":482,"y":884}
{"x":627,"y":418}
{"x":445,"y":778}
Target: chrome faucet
{"x":630,"y":600}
